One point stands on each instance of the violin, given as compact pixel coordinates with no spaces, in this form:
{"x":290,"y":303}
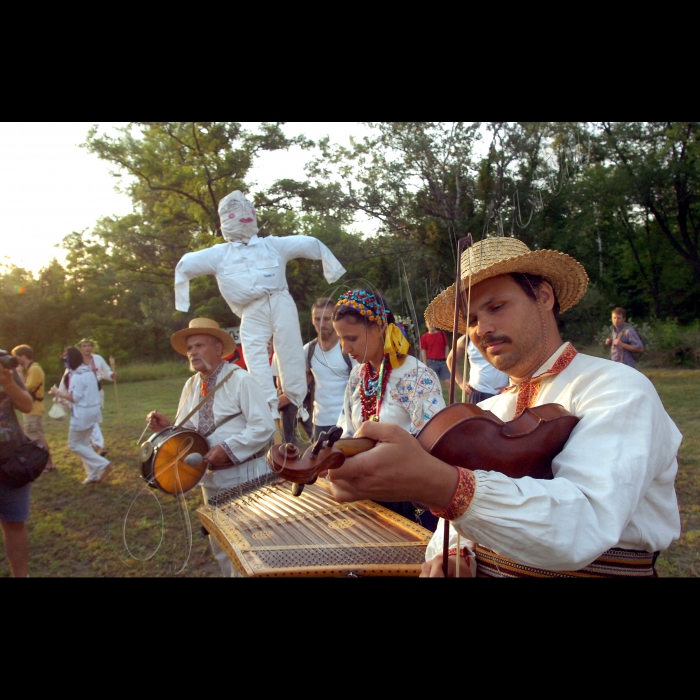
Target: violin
{"x":462,"y":435}
{"x":329,"y":452}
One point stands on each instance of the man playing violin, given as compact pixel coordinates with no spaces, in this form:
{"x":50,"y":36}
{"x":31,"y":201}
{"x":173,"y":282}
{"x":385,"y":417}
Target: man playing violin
{"x":235,"y":420}
{"x":611,"y":506}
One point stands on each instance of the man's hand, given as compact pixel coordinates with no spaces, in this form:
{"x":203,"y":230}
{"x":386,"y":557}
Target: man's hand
{"x":217,"y":457}
{"x":157,"y":421}
{"x":396,"y":469}
{"x":282,"y":401}
{"x":433,"y":568}
{"x":617,"y":342}
{"x":608,"y":341}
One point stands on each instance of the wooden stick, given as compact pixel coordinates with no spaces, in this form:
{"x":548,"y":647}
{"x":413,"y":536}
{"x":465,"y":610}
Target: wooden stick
{"x":113,"y":365}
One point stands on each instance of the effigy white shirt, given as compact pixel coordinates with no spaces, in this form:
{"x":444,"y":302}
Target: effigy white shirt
{"x":613,"y":482}
{"x":247,"y":272}
{"x":413,"y":395}
{"x":241,"y":396}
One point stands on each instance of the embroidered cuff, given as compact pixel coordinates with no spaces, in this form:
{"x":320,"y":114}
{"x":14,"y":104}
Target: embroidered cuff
{"x":462,"y":498}
{"x":229,"y":452}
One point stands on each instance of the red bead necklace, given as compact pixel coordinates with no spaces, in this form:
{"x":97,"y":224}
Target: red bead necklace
{"x":372,"y":388}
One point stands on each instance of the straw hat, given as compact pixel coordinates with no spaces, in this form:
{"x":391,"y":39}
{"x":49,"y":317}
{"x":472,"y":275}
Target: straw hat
{"x":202,"y":326}
{"x":499,"y":256}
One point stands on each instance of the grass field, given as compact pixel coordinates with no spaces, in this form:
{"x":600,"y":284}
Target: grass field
{"x":83,"y":531}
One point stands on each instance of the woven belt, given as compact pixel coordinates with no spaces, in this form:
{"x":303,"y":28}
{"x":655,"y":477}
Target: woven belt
{"x":614,"y":563}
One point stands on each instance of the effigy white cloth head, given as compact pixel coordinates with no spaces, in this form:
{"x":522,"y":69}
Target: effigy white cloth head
{"x":237,"y":217}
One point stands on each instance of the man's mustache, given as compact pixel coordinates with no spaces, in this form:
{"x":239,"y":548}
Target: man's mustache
{"x":489,"y":339}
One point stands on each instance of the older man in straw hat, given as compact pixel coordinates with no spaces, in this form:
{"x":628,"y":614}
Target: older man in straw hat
{"x":236,"y":421}
{"x":611,"y":506}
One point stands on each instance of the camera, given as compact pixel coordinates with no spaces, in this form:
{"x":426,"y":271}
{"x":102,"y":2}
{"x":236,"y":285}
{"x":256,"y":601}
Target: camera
{"x":8,"y":361}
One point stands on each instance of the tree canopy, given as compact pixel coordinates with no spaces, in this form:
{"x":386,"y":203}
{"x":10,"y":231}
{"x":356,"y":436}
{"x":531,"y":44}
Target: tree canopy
{"x":621,"y":197}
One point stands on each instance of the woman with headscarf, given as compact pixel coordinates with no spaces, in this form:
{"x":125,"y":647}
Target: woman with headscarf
{"x":79,"y":388}
{"x":387,"y":384}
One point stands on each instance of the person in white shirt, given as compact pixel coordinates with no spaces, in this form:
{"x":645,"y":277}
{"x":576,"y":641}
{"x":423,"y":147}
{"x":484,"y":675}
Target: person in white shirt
{"x":236,"y":422}
{"x":250,"y":272}
{"x":611,"y":505}
{"x":102,"y":371}
{"x":79,"y":388}
{"x":327,"y":368}
{"x":485,"y":380}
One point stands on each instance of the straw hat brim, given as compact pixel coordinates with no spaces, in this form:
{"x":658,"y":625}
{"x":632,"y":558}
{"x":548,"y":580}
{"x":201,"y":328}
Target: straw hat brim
{"x":179,"y":339}
{"x":567,"y":276}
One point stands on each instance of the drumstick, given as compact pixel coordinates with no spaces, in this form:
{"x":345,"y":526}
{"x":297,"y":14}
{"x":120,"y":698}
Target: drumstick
{"x":138,"y":442}
{"x":113,"y":365}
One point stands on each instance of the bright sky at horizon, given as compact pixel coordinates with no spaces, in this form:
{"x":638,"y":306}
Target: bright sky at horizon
{"x":50,"y":187}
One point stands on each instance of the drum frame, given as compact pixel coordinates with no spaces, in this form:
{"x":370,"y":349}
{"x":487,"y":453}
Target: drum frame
{"x":162,"y":437}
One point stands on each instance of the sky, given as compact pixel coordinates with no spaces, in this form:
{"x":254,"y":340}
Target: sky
{"x":50,"y":187}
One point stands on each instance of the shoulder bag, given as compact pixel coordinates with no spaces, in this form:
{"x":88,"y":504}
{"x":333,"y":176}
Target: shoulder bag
{"x":21,"y":462}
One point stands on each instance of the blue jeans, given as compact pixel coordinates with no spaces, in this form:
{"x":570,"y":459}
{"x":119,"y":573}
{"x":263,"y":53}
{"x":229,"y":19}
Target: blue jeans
{"x":440,"y":368}
{"x":477,"y":396}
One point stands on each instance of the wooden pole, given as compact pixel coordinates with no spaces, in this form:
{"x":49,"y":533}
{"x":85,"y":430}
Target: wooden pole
{"x":113,"y":365}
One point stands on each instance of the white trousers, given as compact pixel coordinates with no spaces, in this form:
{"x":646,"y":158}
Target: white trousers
{"x":213,"y":482}
{"x":275,"y":316}
{"x":79,"y":443}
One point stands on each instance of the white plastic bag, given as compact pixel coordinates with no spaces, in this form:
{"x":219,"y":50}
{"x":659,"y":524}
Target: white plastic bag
{"x":58,"y":412}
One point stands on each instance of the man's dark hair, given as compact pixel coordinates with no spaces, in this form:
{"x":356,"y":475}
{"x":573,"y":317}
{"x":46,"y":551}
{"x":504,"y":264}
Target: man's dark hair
{"x":620,"y":310}
{"x":323,"y":302}
{"x":23,"y":351}
{"x":530,"y":284}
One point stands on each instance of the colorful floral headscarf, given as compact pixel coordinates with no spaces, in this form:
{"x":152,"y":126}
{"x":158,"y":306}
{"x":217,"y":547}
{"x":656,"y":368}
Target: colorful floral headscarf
{"x":365,"y":303}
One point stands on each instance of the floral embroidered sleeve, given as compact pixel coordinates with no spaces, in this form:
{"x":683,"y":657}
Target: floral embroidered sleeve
{"x":419,"y":391}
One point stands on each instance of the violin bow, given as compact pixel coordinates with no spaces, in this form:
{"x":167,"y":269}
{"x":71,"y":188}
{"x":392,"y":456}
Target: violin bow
{"x":462,"y":244}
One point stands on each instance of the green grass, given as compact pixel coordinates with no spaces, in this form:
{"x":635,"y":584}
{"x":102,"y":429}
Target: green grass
{"x":79,"y":531}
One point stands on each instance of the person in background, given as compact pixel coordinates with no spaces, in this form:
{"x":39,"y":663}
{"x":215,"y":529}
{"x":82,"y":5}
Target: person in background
{"x":14,"y":503}
{"x":485,"y":380}
{"x":102,"y":371}
{"x":433,"y":350}
{"x":387,"y":384}
{"x":327,"y":369}
{"x":235,"y":420}
{"x":624,"y":342}
{"x":34,"y":381}
{"x":79,"y":388}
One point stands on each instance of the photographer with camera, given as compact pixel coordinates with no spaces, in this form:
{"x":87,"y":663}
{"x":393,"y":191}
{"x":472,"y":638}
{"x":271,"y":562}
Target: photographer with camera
{"x":33,"y":376}
{"x":14,"y":502}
